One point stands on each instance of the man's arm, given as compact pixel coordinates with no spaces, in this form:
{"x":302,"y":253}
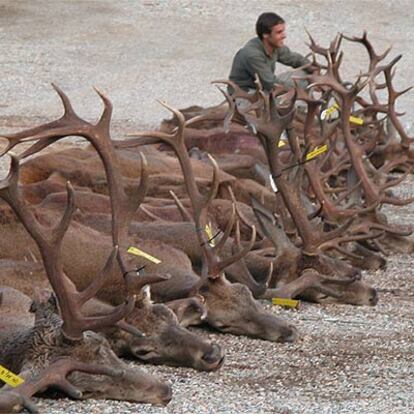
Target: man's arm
{"x":289,"y":58}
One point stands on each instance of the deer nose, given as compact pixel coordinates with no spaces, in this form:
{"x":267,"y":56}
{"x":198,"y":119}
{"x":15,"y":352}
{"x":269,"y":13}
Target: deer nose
{"x":214,"y":356}
{"x":288,"y":334}
{"x":166,"y":394}
{"x":354,"y":274}
{"x":373,"y":300}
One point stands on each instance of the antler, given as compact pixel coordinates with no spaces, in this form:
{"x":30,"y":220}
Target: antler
{"x":347,"y":96}
{"x":213,"y":266}
{"x":13,"y":400}
{"x":374,"y":59}
{"x":49,"y":242}
{"x":70,"y":124}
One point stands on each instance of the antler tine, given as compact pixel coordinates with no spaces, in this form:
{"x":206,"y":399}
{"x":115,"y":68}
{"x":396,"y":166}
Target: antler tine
{"x":238,"y":92}
{"x":333,"y":234}
{"x":269,"y":274}
{"x":234,"y":112}
{"x":239,"y":255}
{"x":211,"y":195}
{"x":237,"y":234}
{"x":232,"y":109}
{"x":227,"y":231}
{"x":315,"y":48}
{"x":240,"y":214}
{"x":184,"y":212}
{"x":60,"y":230}
{"x":138,"y":196}
{"x":67,"y":106}
{"x":105,"y":119}
{"x":335,"y":45}
{"x":180,"y":117}
{"x":152,"y":215}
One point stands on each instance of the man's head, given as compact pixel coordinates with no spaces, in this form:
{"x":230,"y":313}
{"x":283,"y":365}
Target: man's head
{"x":270,"y":28}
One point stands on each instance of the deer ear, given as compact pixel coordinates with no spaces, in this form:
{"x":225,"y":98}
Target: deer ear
{"x":144,"y":297}
{"x":40,"y":296}
{"x":201,"y":298}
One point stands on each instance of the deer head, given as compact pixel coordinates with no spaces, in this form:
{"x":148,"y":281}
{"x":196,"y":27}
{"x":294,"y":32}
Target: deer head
{"x":164,"y":339}
{"x":68,"y":335}
{"x":231,"y":306}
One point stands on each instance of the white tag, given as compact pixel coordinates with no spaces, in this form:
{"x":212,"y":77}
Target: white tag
{"x":323,"y":114}
{"x":273,"y":184}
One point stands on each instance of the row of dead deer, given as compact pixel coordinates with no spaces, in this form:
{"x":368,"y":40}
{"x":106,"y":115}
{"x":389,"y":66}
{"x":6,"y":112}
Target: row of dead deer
{"x":70,"y":217}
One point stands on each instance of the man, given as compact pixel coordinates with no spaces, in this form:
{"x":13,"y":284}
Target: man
{"x":260,"y":54}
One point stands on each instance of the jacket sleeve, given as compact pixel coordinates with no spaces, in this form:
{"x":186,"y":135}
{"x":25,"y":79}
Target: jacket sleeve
{"x":289,"y":58}
{"x":256,"y":63}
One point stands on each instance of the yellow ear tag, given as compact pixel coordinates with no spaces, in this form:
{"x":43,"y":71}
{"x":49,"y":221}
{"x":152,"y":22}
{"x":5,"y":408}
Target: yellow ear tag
{"x":209,"y":232}
{"x":9,"y":378}
{"x":283,"y":139}
{"x":317,"y":151}
{"x":356,"y":120}
{"x":137,"y":252}
{"x":329,"y":111}
{"x":288,"y":303}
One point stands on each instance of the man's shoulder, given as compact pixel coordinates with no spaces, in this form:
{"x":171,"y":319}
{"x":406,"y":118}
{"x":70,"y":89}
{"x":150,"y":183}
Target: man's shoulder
{"x":253,"y":47}
{"x":284,"y":50}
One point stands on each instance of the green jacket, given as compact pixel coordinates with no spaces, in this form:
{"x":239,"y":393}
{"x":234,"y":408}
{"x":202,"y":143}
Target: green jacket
{"x":252,"y":58}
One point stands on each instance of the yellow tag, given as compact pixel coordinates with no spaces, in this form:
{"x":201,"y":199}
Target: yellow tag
{"x":356,"y":120}
{"x":283,"y":139}
{"x":209,"y":232}
{"x":137,"y":252}
{"x":9,"y":378}
{"x":332,"y":109}
{"x":289,"y":303}
{"x":317,"y":151}
{"x":329,"y":111}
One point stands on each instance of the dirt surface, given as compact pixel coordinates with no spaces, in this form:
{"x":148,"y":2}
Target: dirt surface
{"x":348,"y":360}
{"x":141,"y":51}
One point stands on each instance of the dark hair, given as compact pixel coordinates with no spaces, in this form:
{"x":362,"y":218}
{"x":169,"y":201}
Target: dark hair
{"x":266,"y":21}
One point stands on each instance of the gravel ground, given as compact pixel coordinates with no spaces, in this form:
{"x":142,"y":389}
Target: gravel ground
{"x":349,"y":359}
{"x":141,"y":51}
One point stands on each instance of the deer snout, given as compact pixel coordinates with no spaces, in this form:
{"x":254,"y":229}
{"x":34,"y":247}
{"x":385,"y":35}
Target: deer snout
{"x":373,"y":300}
{"x":288,"y":334}
{"x":356,"y":274}
{"x":276,"y":330}
{"x":165,"y":394}
{"x":213,"y":358}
